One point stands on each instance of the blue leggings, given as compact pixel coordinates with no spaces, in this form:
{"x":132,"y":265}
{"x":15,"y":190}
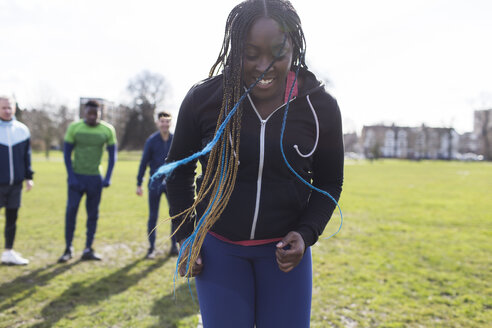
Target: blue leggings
{"x":91,"y":185}
{"x":242,"y":286}
{"x":154,"y":202}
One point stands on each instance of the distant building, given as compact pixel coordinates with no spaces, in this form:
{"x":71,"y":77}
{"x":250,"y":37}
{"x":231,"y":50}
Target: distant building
{"x":409,"y":142}
{"x":482,"y":129}
{"x":468,"y":143}
{"x":109,"y":111}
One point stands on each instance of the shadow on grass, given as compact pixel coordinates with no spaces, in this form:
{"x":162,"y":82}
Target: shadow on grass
{"x":171,"y":310}
{"x":81,"y":293}
{"x":26,"y":285}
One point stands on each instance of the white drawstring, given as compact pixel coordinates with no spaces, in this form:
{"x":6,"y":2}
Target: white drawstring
{"x":317,"y":131}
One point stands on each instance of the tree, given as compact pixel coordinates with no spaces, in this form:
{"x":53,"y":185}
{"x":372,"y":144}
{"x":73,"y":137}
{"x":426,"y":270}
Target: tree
{"x":62,"y":119}
{"x":147,"y":87}
{"x":47,"y":126}
{"x":18,"y":112}
{"x":375,"y":151}
{"x":147,"y":91}
{"x":42,"y":128}
{"x":119,"y":124}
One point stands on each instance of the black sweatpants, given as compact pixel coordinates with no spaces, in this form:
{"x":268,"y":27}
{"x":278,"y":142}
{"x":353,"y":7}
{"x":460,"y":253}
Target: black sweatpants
{"x":10,"y":226}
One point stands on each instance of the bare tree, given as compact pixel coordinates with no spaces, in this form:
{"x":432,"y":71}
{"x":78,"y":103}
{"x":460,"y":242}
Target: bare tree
{"x":47,"y":126}
{"x":42,"y":127}
{"x":147,"y":87}
{"x":124,"y":113}
{"x":62,"y":119}
{"x":147,"y":91}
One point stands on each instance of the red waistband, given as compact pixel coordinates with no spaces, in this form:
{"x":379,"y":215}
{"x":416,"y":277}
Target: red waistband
{"x":245,"y":242}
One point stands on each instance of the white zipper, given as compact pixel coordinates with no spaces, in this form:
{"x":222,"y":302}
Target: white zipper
{"x":11,"y":157}
{"x":260,"y":176}
{"x":260,"y":165}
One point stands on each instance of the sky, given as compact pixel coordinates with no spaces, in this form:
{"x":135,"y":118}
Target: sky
{"x":408,"y":62}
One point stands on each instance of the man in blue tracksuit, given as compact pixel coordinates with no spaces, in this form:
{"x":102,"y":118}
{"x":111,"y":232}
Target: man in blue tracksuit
{"x":154,"y":155}
{"x":15,"y":167}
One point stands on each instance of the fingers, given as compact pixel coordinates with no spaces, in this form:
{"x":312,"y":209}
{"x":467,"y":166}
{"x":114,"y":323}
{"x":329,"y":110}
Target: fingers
{"x":288,"y":259}
{"x":290,"y":251}
{"x":286,"y":267}
{"x":289,"y":255}
{"x":196,"y":269}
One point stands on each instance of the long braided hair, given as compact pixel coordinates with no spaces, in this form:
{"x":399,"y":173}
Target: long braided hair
{"x":222,"y":166}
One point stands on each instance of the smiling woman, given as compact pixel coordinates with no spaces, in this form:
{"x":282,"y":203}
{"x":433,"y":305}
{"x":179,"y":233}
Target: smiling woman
{"x":246,"y":236}
{"x":266,"y":43}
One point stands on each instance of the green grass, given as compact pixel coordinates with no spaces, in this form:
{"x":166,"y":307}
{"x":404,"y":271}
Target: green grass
{"x":414,"y":251}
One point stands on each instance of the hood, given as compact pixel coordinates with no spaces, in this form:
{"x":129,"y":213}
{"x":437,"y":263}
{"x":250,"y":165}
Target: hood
{"x":308,"y":82}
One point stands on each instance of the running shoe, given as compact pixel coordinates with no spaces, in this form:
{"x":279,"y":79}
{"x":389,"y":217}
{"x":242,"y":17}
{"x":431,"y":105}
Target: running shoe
{"x":67,"y":255}
{"x":90,"y":255}
{"x":11,"y":257}
{"x":150,"y":254}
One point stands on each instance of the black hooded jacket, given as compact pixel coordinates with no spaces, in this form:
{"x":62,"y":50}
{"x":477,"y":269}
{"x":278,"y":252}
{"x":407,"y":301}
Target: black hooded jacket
{"x":268,"y":201}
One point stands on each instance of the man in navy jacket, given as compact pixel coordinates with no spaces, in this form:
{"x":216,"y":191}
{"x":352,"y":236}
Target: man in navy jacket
{"x":154,"y":155}
{"x":15,"y":167}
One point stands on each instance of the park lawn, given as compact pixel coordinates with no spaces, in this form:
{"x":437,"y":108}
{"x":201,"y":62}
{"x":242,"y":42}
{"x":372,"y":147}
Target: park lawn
{"x":414,"y":251}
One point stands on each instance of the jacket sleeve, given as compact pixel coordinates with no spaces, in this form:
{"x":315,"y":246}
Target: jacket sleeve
{"x":67,"y":157}
{"x":144,"y":161}
{"x":181,"y":182}
{"x":27,"y":161}
{"x":112,"y":157}
{"x":112,"y":149}
{"x":327,"y":176}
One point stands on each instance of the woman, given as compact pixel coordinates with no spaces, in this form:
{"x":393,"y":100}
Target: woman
{"x":255,"y":220}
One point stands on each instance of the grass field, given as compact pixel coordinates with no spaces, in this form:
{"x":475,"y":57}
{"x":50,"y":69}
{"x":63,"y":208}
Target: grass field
{"x":414,"y":251}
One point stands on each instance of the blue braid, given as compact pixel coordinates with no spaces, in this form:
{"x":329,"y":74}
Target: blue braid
{"x":288,"y":164}
{"x":191,"y":239}
{"x":168,"y":168}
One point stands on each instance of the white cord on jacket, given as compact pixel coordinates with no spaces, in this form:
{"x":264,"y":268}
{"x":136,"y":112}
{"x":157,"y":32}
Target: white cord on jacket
{"x":317,"y":131}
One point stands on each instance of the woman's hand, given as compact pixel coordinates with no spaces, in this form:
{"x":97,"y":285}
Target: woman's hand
{"x":196,"y":269}
{"x":287,"y":259}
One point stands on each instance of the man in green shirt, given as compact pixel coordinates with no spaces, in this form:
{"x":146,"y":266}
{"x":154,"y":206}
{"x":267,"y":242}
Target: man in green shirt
{"x":86,"y":139}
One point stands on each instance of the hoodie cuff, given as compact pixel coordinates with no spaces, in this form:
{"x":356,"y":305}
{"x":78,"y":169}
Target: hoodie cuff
{"x":29,"y":175}
{"x":308,"y":235}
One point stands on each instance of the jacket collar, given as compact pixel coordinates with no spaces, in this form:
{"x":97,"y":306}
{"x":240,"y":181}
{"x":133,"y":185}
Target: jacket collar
{"x":309,"y":84}
{"x":7,"y":123}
